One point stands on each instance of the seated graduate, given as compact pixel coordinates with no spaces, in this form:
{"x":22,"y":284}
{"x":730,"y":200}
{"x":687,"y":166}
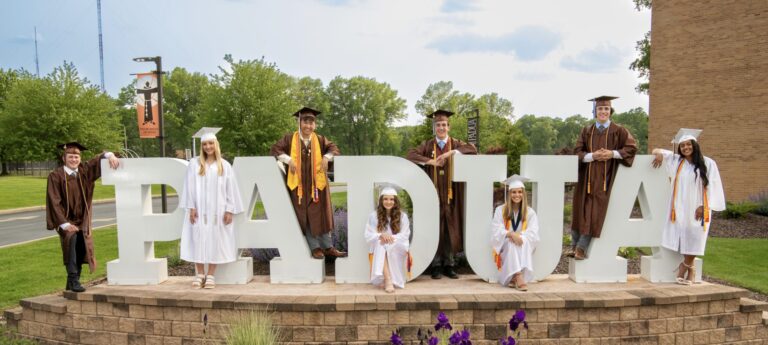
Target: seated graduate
{"x":696,"y":191}
{"x":514,"y":236}
{"x":387,"y":234}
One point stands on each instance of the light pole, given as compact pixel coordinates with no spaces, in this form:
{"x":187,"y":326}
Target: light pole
{"x":159,"y":73}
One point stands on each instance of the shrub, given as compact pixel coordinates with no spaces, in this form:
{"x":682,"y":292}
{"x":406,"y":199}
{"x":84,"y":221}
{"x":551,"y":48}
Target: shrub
{"x":738,"y":210}
{"x":253,"y":328}
{"x":761,"y":203}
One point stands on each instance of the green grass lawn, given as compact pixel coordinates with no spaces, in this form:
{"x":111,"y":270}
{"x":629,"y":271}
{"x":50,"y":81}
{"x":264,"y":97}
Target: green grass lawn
{"x":338,"y":199}
{"x":740,"y":261}
{"x":25,"y":191}
{"x":36,"y":268}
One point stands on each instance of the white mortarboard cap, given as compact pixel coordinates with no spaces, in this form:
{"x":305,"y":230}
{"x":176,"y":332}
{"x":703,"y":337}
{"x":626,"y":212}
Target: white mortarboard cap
{"x":207,"y":136}
{"x":388,"y":189}
{"x":206,"y":133}
{"x":685,"y":134}
{"x":516,"y":181}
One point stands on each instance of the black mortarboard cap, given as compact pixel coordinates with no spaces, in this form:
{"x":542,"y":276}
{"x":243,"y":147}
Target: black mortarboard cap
{"x":72,"y":144}
{"x":306,"y":110}
{"x":442,"y":112}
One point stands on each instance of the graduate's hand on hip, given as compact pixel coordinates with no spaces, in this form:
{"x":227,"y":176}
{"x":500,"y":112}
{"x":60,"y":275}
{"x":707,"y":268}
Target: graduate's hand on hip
{"x":292,"y":166}
{"x":192,"y":215}
{"x":699,"y":212}
{"x":324,"y":164}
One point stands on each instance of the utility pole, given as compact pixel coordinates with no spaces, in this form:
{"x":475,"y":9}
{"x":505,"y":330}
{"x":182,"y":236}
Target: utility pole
{"x":101,"y":49}
{"x":37,"y":61}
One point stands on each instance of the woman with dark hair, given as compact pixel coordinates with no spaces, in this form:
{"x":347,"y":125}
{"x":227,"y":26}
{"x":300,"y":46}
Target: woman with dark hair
{"x":387,"y":234}
{"x":515,"y":234}
{"x":696,"y":192}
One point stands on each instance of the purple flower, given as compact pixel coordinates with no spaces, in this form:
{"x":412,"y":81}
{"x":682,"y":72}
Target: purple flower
{"x":460,"y":338}
{"x":395,"y":339}
{"x":517,"y":319}
{"x":442,"y":322}
{"x":508,"y":341}
{"x":433,"y":340}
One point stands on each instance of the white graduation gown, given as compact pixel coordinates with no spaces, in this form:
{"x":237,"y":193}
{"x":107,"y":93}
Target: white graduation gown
{"x":397,"y":252}
{"x":514,"y":258}
{"x":209,"y":240}
{"x":687,"y":235}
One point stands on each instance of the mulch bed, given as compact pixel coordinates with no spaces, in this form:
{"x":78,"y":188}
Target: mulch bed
{"x":749,"y":226}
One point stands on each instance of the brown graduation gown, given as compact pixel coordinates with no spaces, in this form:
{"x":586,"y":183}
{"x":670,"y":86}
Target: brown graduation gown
{"x":589,"y":208}
{"x":80,"y":206}
{"x":317,"y":217}
{"x":451,"y":214}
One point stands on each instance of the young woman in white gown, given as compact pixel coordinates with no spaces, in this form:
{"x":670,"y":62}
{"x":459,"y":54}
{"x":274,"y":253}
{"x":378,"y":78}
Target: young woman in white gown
{"x":696,"y":191}
{"x":211,"y":198}
{"x":515,"y":234}
{"x":387,"y":234}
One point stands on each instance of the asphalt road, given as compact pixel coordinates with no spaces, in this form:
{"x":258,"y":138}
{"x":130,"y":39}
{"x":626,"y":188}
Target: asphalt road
{"x":27,"y":226}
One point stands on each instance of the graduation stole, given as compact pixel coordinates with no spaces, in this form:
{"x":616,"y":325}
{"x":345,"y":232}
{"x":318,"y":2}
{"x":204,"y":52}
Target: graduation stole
{"x":605,"y":163}
{"x":450,"y":167}
{"x":507,"y":225}
{"x":319,"y":179}
{"x":673,"y":215}
{"x":87,"y":231}
{"x":408,"y":264}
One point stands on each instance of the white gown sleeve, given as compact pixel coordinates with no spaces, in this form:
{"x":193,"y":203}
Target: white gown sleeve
{"x":234,"y":202}
{"x":498,"y":231}
{"x":401,"y":239}
{"x":531,"y":234}
{"x":371,"y":235}
{"x":715,"y":194}
{"x":670,"y":162}
{"x":189,"y":193}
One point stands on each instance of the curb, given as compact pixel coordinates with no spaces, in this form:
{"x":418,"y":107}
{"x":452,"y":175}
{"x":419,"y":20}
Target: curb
{"x":40,"y":208}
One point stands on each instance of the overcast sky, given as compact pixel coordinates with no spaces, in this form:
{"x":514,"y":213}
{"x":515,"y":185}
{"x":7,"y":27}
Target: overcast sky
{"x":547,"y":56}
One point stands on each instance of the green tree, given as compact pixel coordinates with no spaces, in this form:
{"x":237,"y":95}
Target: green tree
{"x":183,"y":96}
{"x":7,"y":79}
{"x":642,"y":64}
{"x":250,"y":100}
{"x":43,"y":112}
{"x":441,"y":95}
{"x":361,"y":112}
{"x":636,"y":121}
{"x":568,"y":131}
{"x":543,"y":136}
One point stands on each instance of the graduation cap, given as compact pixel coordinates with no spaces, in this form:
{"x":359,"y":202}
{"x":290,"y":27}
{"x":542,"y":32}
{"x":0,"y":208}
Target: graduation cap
{"x":306,"y":110}
{"x":72,"y":145}
{"x":440,"y":112}
{"x":601,"y":100}
{"x":388,"y":190}
{"x":685,"y":134}
{"x":206,"y":133}
{"x":516,"y":181}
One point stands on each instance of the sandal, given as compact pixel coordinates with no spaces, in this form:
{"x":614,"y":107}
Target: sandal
{"x":691,"y":274}
{"x":681,"y":271}
{"x":521,"y":286}
{"x":198,"y":281}
{"x":687,"y":269}
{"x":209,"y":283}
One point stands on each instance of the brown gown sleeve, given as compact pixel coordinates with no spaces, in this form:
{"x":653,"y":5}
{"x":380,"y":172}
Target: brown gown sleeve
{"x":419,"y":154}
{"x":55,"y":214}
{"x":330,"y":147}
{"x":628,"y":147}
{"x":282,"y":146}
{"x":94,"y":167}
{"x":582,"y":146}
{"x":464,"y":148}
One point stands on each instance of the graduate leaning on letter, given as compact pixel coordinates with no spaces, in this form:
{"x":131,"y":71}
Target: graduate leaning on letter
{"x":514,"y":236}
{"x":696,"y":191}
{"x":211,"y":197}
{"x":68,"y":210}
{"x":387,"y":233}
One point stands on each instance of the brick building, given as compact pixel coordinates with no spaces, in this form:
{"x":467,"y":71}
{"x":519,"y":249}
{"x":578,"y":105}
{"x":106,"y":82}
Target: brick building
{"x":709,"y":70}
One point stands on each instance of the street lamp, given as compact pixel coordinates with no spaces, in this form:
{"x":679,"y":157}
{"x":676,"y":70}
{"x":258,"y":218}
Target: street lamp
{"x":159,"y":73}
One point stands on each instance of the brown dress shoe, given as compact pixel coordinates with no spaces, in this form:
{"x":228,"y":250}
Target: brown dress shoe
{"x":317,"y":253}
{"x":579,"y":254}
{"x":333,"y":252}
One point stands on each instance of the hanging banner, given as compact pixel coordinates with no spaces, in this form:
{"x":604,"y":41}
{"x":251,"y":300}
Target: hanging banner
{"x":147,"y":105}
{"x":472,"y":124}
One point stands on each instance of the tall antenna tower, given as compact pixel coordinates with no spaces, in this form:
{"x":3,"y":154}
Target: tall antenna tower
{"x":37,"y":61}
{"x":101,"y":47}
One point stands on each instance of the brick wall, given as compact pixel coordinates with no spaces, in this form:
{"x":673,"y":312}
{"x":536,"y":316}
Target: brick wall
{"x":709,"y":70}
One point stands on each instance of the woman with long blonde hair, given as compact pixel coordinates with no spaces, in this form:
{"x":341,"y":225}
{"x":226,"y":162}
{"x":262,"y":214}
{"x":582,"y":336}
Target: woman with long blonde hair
{"x":515,"y":234}
{"x":211,"y":197}
{"x":387,"y":233}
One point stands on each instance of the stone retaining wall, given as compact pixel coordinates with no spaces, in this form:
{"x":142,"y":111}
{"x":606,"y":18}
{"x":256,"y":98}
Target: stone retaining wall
{"x":707,"y":314}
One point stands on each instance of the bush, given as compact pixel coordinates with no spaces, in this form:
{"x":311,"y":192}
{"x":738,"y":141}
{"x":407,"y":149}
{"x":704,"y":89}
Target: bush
{"x":738,"y":210}
{"x":761,"y":203}
{"x":254,"y":328}
{"x":567,"y":211}
{"x":761,"y":209}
